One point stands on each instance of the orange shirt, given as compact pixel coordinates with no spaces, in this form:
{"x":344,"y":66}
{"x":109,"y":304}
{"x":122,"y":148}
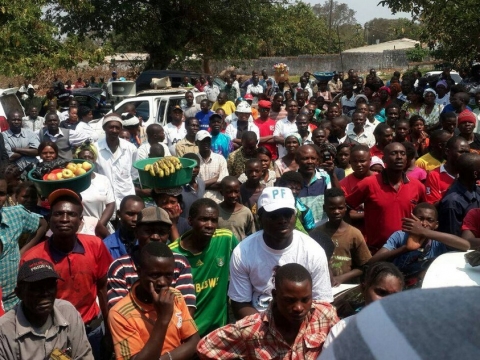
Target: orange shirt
{"x":131,"y":323}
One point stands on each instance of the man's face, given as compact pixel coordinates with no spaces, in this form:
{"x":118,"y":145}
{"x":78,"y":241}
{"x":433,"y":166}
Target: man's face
{"x":186,"y":80}
{"x":393,"y":114}
{"x":386,"y":137}
{"x":189,"y":97}
{"x":204,"y":106}
{"x":156,"y":271}
{"x":52,"y":123}
{"x":402,"y":129}
{"x":307,"y":159}
{"x":348,"y":90}
{"x":264,"y":74}
{"x":210,"y":80}
{"x":395,"y":157}
{"x":333,"y":112}
{"x":159,"y":134}
{"x":205,"y":223}
{"x":242,"y":116}
{"x":66,"y":218}
{"x":15,"y":121}
{"x":112,"y":129}
{"x":358,"y":120}
{"x":300,"y":98}
{"x":152,"y":232}
{"x":129,"y":214}
{"x":264,"y":112}
{"x":319,"y":137}
{"x":427,"y":217}
{"x":338,"y":128}
{"x":335,"y":208}
{"x":360,"y":162}
{"x":254,"y":171}
{"x":177,"y":115}
{"x":278,"y":224}
{"x":460,"y":147}
{"x":456,"y":101}
{"x":303,"y":81}
{"x":204,"y":145}
{"x":38,"y":297}
{"x":406,"y":87}
{"x":193,"y":127}
{"x":302,"y":123}
{"x":249,"y":148}
{"x":72,"y":114}
{"x":255,"y":80}
{"x":292,"y":108}
{"x":449,"y":124}
{"x":222,"y":98}
{"x":231,"y":193}
{"x":215,"y":125}
{"x":466,"y":128}
{"x":293,"y":300}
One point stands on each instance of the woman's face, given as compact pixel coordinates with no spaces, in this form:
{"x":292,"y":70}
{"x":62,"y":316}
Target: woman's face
{"x":387,"y":285}
{"x":430,"y":98}
{"x":343,"y":157}
{"x":86,"y":155}
{"x":418,"y":126}
{"x":265,"y":160}
{"x":48,"y":154}
{"x":368,"y":92}
{"x":167,"y":202}
{"x":333,"y":112}
{"x":363,"y":108}
{"x":441,"y":91}
{"x":291,"y":144}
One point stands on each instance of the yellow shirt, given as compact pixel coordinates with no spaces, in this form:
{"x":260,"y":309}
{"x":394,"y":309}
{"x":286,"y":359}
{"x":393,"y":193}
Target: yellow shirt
{"x":228,"y":107}
{"x":428,"y":162}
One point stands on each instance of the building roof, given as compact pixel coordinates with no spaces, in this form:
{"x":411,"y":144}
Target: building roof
{"x":387,"y":45}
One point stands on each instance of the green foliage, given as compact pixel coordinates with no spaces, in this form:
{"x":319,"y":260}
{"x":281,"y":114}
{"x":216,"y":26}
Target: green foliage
{"x":417,"y":53}
{"x":391,"y":29}
{"x":450,"y":28}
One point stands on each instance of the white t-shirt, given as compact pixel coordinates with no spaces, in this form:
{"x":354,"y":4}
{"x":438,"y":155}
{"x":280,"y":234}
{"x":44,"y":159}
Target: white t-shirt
{"x":253,"y":264}
{"x":174,"y":135}
{"x":144,"y":150}
{"x":97,"y":196}
{"x":231,"y":130}
{"x":284,"y":127}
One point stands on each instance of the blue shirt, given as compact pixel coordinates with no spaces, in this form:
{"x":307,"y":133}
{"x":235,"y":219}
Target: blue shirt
{"x":454,"y":206}
{"x":222,"y":144}
{"x":204,"y":119}
{"x":449,"y":108}
{"x":305,"y":215}
{"x":116,"y":246}
{"x":410,"y":262}
{"x":14,"y":221}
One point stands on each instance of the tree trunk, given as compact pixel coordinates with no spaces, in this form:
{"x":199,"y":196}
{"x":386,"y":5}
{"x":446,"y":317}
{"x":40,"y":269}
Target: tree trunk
{"x":206,"y":65}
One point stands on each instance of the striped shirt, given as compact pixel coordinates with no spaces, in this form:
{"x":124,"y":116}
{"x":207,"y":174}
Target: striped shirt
{"x":122,"y":274}
{"x":211,"y":167}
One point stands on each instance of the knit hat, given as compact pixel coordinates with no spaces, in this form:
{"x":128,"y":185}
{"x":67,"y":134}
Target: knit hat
{"x":466,"y":116}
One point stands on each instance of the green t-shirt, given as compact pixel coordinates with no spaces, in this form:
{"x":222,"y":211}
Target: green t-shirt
{"x":210,"y":271}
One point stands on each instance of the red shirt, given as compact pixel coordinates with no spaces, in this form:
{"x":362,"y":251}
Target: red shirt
{"x":375,"y":151}
{"x":266,"y":128}
{"x":80,"y":270}
{"x":2,"y":310}
{"x":384,"y":206}
{"x":348,"y":183}
{"x":471,"y":222}
{"x":437,"y":183}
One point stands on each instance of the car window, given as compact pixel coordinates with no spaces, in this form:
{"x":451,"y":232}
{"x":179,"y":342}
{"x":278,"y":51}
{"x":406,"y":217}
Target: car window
{"x":161,"y":111}
{"x":142,"y":107}
{"x":10,"y":103}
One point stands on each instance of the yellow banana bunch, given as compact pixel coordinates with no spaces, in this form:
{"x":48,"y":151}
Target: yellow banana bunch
{"x":164,"y":167}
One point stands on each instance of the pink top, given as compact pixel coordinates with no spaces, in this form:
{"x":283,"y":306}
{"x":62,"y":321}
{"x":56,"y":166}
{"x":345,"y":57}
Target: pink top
{"x":417,"y":173}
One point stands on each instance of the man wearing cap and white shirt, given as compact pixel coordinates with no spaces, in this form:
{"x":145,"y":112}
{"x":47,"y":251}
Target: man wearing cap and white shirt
{"x":254,"y":261}
{"x":116,"y":158}
{"x":175,"y":130}
{"x":213,"y":167}
{"x":40,"y":326}
{"x":241,"y":123}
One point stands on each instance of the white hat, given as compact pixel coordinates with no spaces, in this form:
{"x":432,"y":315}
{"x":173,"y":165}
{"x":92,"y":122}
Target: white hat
{"x":275,"y":198}
{"x":244,"y":107}
{"x":131,"y":121}
{"x":202,"y":134}
{"x":111,"y":117}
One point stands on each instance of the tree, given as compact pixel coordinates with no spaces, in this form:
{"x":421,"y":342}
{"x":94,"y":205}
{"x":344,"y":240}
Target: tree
{"x":31,"y":44}
{"x":391,"y":29}
{"x":341,"y":13}
{"x":449,"y":28}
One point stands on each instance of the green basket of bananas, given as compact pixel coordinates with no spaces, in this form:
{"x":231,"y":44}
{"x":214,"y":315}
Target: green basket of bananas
{"x":165,"y":172}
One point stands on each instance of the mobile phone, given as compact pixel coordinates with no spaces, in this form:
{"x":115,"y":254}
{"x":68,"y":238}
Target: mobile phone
{"x":327,"y":156}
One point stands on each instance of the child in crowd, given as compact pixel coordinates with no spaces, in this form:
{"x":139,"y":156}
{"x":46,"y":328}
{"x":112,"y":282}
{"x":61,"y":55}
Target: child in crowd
{"x":351,"y":251}
{"x":418,"y":137}
{"x":294,"y":181}
{"x":251,"y":189}
{"x":170,"y":200}
{"x":342,"y":158}
{"x":232,"y":215}
{"x":402,"y":129}
{"x":379,"y":280}
{"x":371,"y":118}
{"x":268,"y":175}
{"x":376,"y":164}
{"x":334,"y":110}
{"x":412,"y":248}
{"x":124,"y":134}
{"x":413,"y":171}
{"x":448,"y":121}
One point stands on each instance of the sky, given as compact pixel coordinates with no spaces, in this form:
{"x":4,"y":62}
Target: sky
{"x":367,"y":10}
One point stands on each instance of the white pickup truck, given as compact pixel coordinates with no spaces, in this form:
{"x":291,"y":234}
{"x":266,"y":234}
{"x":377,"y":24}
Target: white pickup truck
{"x":154,"y":106}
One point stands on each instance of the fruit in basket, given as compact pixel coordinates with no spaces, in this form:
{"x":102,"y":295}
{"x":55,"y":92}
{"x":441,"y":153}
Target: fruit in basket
{"x":59,"y":176}
{"x":164,"y":167}
{"x":67,"y":174}
{"x":80,"y":171}
{"x":52,"y":177}
{"x":71,"y":166}
{"x":86,"y":166}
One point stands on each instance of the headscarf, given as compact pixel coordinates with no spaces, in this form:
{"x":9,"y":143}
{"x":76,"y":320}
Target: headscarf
{"x":387,"y":89}
{"x":442,"y":83}
{"x":328,"y":147}
{"x":296,"y":136}
{"x":431,"y":91}
{"x":361,"y":96}
{"x":87,"y":146}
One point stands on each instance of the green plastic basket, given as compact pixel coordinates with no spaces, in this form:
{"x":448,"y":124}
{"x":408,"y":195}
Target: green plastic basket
{"x":77,"y":184}
{"x":179,"y":178}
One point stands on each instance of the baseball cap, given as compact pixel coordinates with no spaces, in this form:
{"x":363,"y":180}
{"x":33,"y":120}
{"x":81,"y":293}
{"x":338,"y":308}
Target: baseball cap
{"x":35,"y":270}
{"x":466,"y":116}
{"x":111,"y":117}
{"x":131,"y":121}
{"x":215,"y":116}
{"x":202,"y":134}
{"x":265,"y":104}
{"x":275,"y":198}
{"x":248,"y":97}
{"x":177,"y":107}
{"x":153,"y":214}
{"x":63,"y":192}
{"x":244,"y":107}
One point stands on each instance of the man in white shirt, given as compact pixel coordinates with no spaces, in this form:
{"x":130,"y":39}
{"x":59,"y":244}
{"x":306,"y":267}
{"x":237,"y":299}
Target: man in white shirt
{"x":175,"y":130}
{"x":255,"y":260}
{"x":213,"y":167}
{"x":285,"y":126}
{"x":242,"y":122}
{"x":255,"y":89}
{"x":358,"y":132}
{"x":33,"y":121}
{"x":211,"y":90}
{"x":155,"y":135}
{"x":302,"y":86}
{"x":116,"y":158}
{"x":348,"y":99}
{"x":190,"y":109}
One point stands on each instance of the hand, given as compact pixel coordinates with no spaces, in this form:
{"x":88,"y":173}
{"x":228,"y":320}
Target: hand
{"x":413,"y":226}
{"x":174,"y":213}
{"x":328,"y":166}
{"x":163,"y":303}
{"x":337,"y":281}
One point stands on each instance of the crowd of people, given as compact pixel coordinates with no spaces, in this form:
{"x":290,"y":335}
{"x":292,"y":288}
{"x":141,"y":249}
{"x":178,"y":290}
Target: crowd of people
{"x":297,"y":189}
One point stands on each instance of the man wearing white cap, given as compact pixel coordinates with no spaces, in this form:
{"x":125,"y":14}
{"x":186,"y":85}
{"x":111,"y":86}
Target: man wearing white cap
{"x":242,"y":122}
{"x":116,"y":157}
{"x":213,"y":167}
{"x":255,"y":260}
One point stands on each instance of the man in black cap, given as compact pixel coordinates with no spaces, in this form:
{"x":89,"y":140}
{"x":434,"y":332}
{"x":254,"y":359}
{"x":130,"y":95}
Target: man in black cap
{"x":40,"y":326}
